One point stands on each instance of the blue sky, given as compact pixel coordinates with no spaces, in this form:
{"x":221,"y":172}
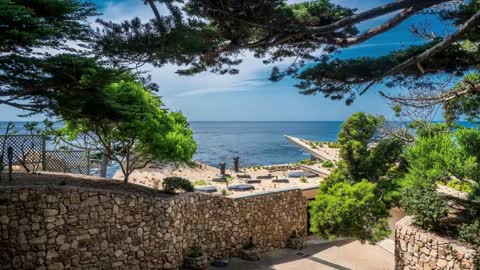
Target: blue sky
{"x":250,"y":96}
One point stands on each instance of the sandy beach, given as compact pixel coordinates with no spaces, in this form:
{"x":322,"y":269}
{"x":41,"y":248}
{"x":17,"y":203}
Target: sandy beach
{"x":153,"y":175}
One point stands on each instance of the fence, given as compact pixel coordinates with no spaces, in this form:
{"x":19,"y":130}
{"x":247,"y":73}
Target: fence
{"x":29,"y":153}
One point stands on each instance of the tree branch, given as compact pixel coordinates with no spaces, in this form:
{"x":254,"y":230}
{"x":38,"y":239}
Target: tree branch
{"x":410,"y":8}
{"x":472,"y":22}
{"x":428,"y":101}
{"x":398,"y":19}
{"x":155,"y":10}
{"x":373,"y":13}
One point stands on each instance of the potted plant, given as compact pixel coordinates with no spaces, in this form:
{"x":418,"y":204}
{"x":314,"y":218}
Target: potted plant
{"x":296,"y":240}
{"x":195,"y":258}
{"x":248,"y":251}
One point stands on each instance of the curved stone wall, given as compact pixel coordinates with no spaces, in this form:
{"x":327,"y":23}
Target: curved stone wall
{"x":44,"y":227}
{"x":418,"y":249}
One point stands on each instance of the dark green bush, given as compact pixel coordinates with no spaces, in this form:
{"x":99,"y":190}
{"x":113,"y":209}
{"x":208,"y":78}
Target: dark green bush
{"x":170,"y":184}
{"x":426,"y":206}
{"x":195,"y":251}
{"x":328,"y":164}
{"x":470,"y":233}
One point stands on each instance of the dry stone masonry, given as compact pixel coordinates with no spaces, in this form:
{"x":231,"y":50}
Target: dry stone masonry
{"x":417,"y":249}
{"x":61,"y":227}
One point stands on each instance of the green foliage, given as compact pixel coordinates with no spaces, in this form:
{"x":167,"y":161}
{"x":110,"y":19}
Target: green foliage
{"x":470,"y":233}
{"x":307,"y":161}
{"x":333,"y":144}
{"x":349,"y":210}
{"x":341,"y":78}
{"x":439,"y":156}
{"x":200,"y":183}
{"x":213,"y":35}
{"x":436,"y":158}
{"x":426,"y":207}
{"x":426,"y":129}
{"x":170,"y":184}
{"x":42,"y":23}
{"x":138,"y":131}
{"x":362,"y":160}
{"x":328,"y":164}
{"x":195,"y":251}
{"x":29,"y":74}
{"x":354,"y":200}
{"x":469,"y":141}
{"x":464,"y":105}
{"x":460,"y":185}
{"x":303,"y":179}
{"x":205,"y":27}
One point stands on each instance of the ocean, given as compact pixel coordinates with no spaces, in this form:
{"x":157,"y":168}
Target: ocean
{"x":256,"y":143}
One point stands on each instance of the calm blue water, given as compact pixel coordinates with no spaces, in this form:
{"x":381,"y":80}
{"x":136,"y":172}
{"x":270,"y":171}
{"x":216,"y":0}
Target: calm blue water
{"x":257,"y":143}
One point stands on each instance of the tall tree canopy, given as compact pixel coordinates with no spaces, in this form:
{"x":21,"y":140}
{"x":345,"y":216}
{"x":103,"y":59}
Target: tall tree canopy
{"x":31,"y":77}
{"x":130,"y":127}
{"x":212,"y":35}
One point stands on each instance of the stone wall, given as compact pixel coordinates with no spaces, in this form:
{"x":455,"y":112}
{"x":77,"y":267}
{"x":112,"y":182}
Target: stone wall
{"x":417,"y":249}
{"x":61,"y":227}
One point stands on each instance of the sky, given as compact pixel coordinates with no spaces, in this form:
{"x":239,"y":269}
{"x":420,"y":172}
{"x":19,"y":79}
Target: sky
{"x":249,"y":95}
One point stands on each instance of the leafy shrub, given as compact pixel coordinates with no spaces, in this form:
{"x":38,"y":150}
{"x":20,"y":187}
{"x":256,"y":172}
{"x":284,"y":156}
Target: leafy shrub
{"x":333,"y":144}
{"x":307,"y":162}
{"x":170,"y":184}
{"x":328,"y":164}
{"x":303,"y":179}
{"x":195,"y":251}
{"x":354,"y":200}
{"x":460,"y":185}
{"x":200,"y":183}
{"x":351,"y":210}
{"x":426,"y":207}
{"x":470,"y":233}
{"x":313,"y":145}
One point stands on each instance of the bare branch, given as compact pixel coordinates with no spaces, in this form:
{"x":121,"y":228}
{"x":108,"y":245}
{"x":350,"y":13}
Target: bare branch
{"x":432,"y":100}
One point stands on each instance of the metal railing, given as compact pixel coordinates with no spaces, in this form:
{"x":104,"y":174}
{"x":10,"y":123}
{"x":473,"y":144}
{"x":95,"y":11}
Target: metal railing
{"x":29,"y":153}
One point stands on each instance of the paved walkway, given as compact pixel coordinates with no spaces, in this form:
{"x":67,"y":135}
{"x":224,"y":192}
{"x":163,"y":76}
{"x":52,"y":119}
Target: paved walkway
{"x":342,"y":255}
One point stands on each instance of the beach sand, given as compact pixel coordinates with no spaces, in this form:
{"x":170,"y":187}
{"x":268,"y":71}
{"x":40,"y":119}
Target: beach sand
{"x":153,"y":175}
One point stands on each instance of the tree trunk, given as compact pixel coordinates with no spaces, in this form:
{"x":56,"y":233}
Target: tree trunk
{"x":104,"y":165}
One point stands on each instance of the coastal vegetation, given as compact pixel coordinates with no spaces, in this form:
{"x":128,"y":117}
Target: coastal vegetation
{"x":171,"y":184}
{"x":132,"y":129}
{"x":354,"y":200}
{"x":328,"y":164}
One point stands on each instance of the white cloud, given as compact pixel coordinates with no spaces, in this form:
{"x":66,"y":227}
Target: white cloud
{"x":234,"y":87}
